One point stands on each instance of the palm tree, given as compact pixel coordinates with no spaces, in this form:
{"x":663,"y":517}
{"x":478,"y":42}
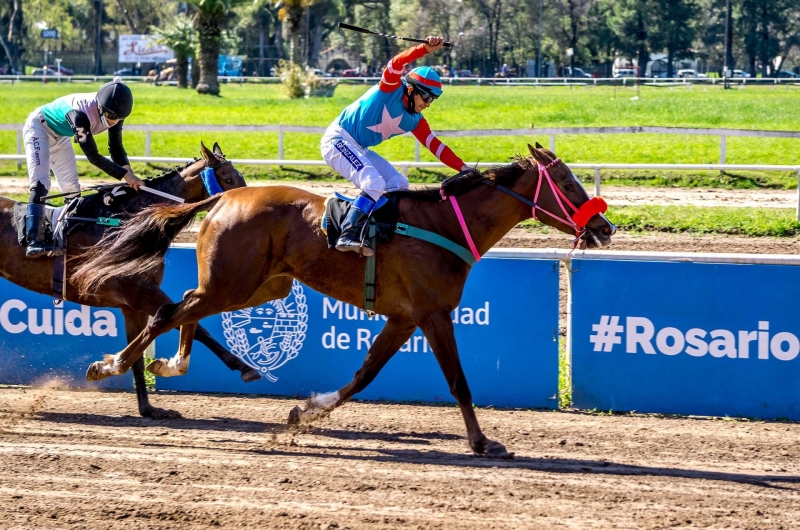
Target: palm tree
{"x":291,"y":13}
{"x":210,"y":22}
{"x":181,"y":36}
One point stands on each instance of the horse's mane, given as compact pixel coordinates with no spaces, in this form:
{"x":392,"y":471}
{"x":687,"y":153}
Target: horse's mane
{"x":471,"y":179}
{"x":169,"y":172}
{"x":92,"y":205}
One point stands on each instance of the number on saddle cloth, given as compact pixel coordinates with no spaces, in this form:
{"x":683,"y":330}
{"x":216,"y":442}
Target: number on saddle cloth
{"x":384,"y":215}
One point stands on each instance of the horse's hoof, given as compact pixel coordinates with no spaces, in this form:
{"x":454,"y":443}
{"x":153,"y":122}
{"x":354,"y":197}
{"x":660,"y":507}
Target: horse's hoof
{"x":160,"y":414}
{"x":95,"y":371}
{"x":250,"y":375}
{"x":492,"y":449}
{"x":158,"y":367}
{"x":294,"y":416}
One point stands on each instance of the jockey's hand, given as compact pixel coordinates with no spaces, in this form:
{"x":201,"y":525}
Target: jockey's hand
{"x":465,"y":167}
{"x":132,"y":180}
{"x":433,"y":44}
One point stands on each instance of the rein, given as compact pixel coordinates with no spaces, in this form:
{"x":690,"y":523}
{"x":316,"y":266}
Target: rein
{"x":577,"y":220}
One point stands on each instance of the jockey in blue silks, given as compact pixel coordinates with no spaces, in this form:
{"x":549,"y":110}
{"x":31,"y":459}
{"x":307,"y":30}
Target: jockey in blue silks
{"x":391,"y":108}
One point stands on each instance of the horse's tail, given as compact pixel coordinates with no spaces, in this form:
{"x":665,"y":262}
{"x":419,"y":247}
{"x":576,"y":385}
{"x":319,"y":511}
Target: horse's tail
{"x":139,"y":246}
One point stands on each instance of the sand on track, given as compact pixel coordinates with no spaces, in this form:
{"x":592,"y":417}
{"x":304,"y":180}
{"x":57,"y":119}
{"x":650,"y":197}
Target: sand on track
{"x":86,"y":460}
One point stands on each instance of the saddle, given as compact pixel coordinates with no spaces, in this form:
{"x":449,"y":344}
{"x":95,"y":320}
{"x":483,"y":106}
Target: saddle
{"x":46,"y":228}
{"x":382,"y":225}
{"x":58,"y":222}
{"x":382,"y":221}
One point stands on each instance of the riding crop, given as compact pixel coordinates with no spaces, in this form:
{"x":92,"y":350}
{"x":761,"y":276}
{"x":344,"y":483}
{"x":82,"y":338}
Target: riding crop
{"x":364,"y":30}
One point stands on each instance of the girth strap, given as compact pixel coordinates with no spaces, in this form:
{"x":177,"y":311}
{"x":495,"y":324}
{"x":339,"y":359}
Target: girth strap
{"x":369,"y":273}
{"x":410,"y":231}
{"x":436,"y":239}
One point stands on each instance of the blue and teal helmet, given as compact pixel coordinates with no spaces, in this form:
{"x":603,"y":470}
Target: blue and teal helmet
{"x":425,"y":79}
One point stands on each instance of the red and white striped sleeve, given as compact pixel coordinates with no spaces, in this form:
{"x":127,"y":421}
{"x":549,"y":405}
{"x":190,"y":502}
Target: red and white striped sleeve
{"x":394,"y":70}
{"x":437,"y":147}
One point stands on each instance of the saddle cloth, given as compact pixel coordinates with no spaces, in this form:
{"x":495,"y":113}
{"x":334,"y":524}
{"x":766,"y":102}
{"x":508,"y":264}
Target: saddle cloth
{"x":384,"y":217}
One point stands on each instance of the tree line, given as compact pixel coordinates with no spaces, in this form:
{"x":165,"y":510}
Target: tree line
{"x":486,"y":34}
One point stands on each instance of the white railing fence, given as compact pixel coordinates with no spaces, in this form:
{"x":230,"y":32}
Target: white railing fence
{"x":404,"y":166}
{"x":622,"y":82}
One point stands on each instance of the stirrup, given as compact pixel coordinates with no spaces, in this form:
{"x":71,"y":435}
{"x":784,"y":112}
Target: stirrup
{"x":346,"y":244}
{"x":38,"y":250}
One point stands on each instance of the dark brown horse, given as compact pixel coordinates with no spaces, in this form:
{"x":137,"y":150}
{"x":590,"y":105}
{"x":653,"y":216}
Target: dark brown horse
{"x":135,"y":292}
{"x":254,"y":241}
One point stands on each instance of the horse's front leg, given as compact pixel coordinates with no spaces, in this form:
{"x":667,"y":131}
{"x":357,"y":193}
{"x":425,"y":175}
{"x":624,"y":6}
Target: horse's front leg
{"x":389,"y":340}
{"x":135,"y":322}
{"x":438,"y":329}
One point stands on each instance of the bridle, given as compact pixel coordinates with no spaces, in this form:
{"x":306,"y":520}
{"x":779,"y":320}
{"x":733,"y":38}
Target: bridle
{"x":577,"y":220}
{"x":580,"y":217}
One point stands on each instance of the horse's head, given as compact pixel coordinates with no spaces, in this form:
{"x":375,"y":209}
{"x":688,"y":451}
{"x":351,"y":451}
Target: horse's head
{"x":223,"y":173}
{"x":562,"y":202}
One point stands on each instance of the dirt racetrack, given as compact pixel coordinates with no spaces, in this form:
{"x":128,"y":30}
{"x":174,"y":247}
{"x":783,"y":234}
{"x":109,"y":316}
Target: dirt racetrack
{"x":86,"y":460}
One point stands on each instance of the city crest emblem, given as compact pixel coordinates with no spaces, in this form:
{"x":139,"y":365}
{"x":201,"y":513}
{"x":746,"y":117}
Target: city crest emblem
{"x":268,"y":336}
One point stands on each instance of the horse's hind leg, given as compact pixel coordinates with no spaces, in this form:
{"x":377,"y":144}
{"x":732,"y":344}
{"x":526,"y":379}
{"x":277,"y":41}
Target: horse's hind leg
{"x":438,"y":329}
{"x":389,"y":340}
{"x":178,"y":364}
{"x":149,"y":298}
{"x":196,"y":306}
{"x":278,"y":287}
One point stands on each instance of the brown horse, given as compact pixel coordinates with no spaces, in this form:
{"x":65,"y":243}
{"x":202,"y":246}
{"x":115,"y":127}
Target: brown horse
{"x":135,"y":292}
{"x":254,"y":241}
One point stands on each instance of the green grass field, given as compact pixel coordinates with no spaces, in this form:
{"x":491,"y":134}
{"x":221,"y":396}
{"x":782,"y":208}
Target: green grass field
{"x":470,"y":108}
{"x":491,"y":107}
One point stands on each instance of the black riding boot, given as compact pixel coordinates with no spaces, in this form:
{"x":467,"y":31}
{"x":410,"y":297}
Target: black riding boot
{"x":36,"y":246}
{"x":353,"y":227}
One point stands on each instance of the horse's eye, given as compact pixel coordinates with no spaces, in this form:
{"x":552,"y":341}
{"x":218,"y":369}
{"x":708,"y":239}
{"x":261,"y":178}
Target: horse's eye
{"x":568,"y":187}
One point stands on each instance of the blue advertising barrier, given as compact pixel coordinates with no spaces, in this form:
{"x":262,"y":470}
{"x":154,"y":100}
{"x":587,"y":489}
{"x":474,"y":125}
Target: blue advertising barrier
{"x":41,"y":342}
{"x":506,"y":328}
{"x":686,"y":338}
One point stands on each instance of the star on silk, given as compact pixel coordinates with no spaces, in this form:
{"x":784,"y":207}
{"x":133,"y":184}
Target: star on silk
{"x":388,"y":126}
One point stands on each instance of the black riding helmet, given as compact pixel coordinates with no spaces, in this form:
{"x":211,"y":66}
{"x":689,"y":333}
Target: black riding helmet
{"x":115,"y":99}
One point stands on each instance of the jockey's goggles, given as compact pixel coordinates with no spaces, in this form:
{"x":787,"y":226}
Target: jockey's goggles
{"x":426,"y":97}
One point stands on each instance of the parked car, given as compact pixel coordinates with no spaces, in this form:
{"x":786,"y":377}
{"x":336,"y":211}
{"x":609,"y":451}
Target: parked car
{"x":351,"y":72}
{"x":125,"y":71}
{"x":578,"y":72}
{"x":64,"y":71}
{"x":786,"y":73}
{"x":462,"y":73}
{"x":740,"y":73}
{"x":43,"y":71}
{"x":320,"y":73}
{"x":625,"y":72}
{"x":689,"y":72}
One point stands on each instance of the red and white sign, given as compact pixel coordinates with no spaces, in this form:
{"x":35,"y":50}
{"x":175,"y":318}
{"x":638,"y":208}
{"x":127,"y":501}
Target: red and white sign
{"x":143,"y":49}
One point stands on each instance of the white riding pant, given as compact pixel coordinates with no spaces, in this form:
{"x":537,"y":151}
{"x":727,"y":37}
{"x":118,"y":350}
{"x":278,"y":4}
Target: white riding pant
{"x":369,"y":171}
{"x":45,"y":150}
